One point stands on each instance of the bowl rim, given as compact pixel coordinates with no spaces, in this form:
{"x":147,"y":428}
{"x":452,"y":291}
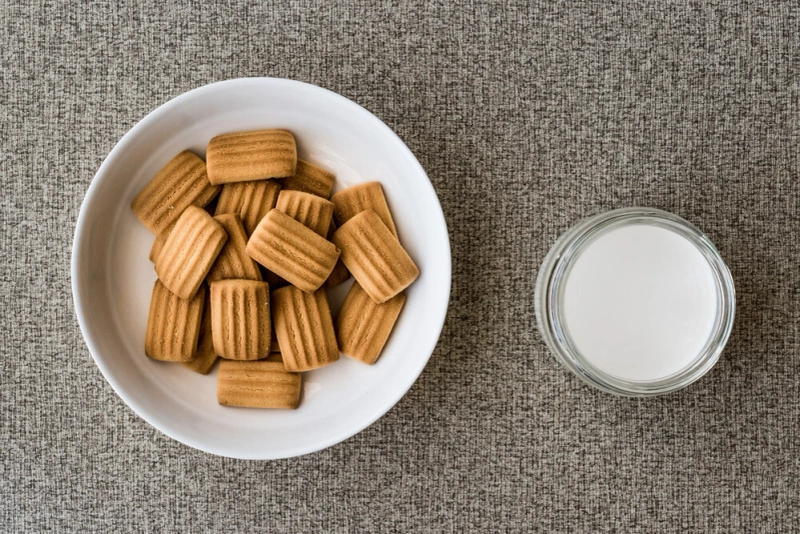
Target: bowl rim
{"x":79,"y":237}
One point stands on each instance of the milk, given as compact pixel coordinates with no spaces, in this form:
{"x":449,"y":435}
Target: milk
{"x":640,"y":302}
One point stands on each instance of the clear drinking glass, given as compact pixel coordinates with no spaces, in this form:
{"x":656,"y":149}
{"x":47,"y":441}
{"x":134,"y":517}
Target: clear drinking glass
{"x":549,"y":298}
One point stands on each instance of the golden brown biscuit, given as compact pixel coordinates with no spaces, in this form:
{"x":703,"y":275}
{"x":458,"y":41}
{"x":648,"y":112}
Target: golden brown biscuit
{"x":240,"y":319}
{"x":182,"y":182}
{"x":340,"y":273}
{"x":255,"y":155}
{"x":190,"y":251}
{"x":304,"y":328}
{"x":250,"y":200}
{"x":272,"y":279}
{"x":292,"y":251}
{"x":206,"y":355}
{"x":375,"y":257}
{"x":363,"y":326}
{"x":307,"y":209}
{"x":274,"y":357}
{"x":233,"y":261}
{"x":158,"y":246}
{"x":310,"y":179}
{"x":367,"y":196}
{"x":262,"y":384}
{"x":173,"y":325}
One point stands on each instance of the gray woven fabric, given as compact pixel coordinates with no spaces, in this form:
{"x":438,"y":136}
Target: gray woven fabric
{"x":528,"y":116}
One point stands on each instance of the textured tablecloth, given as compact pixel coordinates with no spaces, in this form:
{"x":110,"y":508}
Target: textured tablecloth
{"x":528,"y":116}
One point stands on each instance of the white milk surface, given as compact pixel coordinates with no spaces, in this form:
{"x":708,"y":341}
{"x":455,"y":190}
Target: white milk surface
{"x":640,"y":302}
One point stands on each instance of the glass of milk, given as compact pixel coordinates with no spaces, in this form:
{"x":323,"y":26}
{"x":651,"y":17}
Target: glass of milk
{"x":635,"y":302}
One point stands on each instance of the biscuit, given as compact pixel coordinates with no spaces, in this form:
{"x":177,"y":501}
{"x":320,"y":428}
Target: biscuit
{"x":307,"y":209}
{"x":340,"y":273}
{"x":250,"y":200}
{"x":254,"y":155}
{"x":292,"y":251}
{"x":310,"y":179}
{"x":182,"y":182}
{"x":190,"y":251}
{"x":368,"y":196}
{"x":233,"y":262}
{"x":173,"y":325}
{"x":206,"y":355}
{"x":363,"y":326}
{"x":272,"y":279}
{"x":375,"y":257}
{"x":263,"y":384}
{"x":158,"y":246}
{"x":240,"y":319}
{"x":304,"y":328}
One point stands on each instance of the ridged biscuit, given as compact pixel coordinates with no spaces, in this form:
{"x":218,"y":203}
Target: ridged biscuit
{"x":190,"y":251}
{"x":271,"y":278}
{"x":233,"y":261}
{"x":173,"y":325}
{"x":240,"y":319}
{"x":304,"y":328}
{"x":250,"y":200}
{"x":339,"y":274}
{"x":307,"y":209}
{"x":292,"y":251}
{"x":375,"y":257}
{"x":255,"y":155}
{"x":182,"y":182}
{"x":367,"y":196}
{"x":158,"y":246}
{"x":310,"y":179}
{"x":363,"y":326}
{"x":263,"y":384}
{"x":206,"y":355}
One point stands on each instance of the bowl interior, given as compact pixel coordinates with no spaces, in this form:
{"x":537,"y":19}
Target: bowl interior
{"x":113,"y":278}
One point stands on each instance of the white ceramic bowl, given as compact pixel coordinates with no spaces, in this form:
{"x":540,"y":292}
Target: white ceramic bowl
{"x":112,"y":278}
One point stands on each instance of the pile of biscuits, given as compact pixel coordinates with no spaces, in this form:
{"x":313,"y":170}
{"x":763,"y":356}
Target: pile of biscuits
{"x":246,"y":244}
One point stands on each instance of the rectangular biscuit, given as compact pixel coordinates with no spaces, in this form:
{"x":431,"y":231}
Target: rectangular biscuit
{"x":254,"y":155}
{"x":206,"y":355}
{"x":158,"y":246}
{"x":292,"y":251}
{"x":173,"y":325}
{"x":250,"y":200}
{"x":190,"y":251}
{"x":367,"y":196}
{"x":240,"y":319}
{"x":182,"y":182}
{"x":375,"y":257}
{"x":261,"y":384}
{"x":233,"y":261}
{"x":307,"y":209}
{"x":271,"y":278}
{"x":339,"y":274}
{"x":310,"y":179}
{"x":304,"y":328}
{"x":363,"y":326}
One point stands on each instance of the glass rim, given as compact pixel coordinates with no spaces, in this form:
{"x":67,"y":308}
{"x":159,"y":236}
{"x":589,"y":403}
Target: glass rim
{"x":550,"y":286}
